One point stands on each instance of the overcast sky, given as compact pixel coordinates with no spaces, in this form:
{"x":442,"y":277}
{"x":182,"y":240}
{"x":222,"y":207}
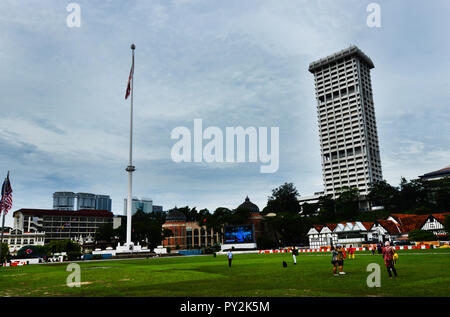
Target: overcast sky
{"x":64,"y":123}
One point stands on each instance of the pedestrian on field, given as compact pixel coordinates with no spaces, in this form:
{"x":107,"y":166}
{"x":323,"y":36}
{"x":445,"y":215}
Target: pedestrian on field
{"x":334,"y":260}
{"x":388,"y":255}
{"x":372,"y":248}
{"x":340,"y":258}
{"x":294,"y":254}
{"x":379,"y":248}
{"x":230,"y":257}
{"x":351,"y":252}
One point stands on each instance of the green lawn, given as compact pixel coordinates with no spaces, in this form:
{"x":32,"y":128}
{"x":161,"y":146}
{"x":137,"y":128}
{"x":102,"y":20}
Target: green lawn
{"x":421,"y":273}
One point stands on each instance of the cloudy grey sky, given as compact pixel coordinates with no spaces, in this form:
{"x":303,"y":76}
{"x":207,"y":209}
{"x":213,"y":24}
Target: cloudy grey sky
{"x":64,"y":121}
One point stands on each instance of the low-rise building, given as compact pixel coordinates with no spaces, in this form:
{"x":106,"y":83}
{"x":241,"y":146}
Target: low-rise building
{"x":191,"y":234}
{"x":435,"y":175}
{"x":396,"y":226}
{"x":61,"y":224}
{"x":187,"y":234}
{"x":16,"y":239}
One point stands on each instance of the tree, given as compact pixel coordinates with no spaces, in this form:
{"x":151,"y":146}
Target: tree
{"x":383,"y":194}
{"x":221,"y":216}
{"x":32,"y":251}
{"x":266,"y":242}
{"x":347,"y":204}
{"x":287,"y":229}
{"x":327,"y":209}
{"x":5,"y":252}
{"x":413,"y":195}
{"x":72,"y":248}
{"x":283,"y":199}
{"x":105,"y":233}
{"x":58,"y":246}
{"x":421,"y":235}
{"x":447,"y":224}
{"x":441,"y":193}
{"x":310,"y":209}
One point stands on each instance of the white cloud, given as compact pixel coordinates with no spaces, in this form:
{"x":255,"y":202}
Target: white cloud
{"x":230,"y":63}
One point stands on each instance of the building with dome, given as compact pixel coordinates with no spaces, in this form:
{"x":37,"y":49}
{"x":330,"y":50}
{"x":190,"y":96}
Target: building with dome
{"x":255,"y":216}
{"x":187,"y":234}
{"x":193,"y":235}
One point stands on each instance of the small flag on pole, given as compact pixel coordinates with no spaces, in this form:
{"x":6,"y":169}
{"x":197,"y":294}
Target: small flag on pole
{"x":129,"y":80}
{"x":6,"y":200}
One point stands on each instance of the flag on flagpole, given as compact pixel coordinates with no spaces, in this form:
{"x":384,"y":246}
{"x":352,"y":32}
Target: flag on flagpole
{"x":129,"y":80}
{"x":6,"y":200}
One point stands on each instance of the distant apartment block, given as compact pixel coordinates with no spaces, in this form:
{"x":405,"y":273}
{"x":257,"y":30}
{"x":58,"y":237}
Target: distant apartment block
{"x":61,"y":224}
{"x":82,"y":201}
{"x":346,"y":117}
{"x":145,"y":204}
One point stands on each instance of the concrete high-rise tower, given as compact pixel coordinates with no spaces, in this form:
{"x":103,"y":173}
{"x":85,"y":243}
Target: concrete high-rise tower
{"x":347,"y":127}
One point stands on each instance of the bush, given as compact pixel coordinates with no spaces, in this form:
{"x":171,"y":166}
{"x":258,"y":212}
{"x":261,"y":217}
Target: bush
{"x":31,"y":251}
{"x":265,"y":243}
{"x":73,"y":255}
{"x":208,"y":250}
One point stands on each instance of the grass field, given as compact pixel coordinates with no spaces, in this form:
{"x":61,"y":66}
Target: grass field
{"x":421,"y":273}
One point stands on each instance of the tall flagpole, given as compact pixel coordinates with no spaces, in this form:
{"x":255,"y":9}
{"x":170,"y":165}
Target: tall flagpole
{"x":2,"y":210}
{"x":1,"y":239}
{"x":130,"y":168}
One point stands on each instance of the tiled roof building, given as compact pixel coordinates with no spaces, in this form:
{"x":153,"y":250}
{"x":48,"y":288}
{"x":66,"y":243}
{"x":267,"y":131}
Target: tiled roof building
{"x":358,"y":233}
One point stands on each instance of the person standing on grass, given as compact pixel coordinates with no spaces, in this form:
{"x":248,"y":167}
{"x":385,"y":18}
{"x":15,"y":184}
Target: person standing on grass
{"x":388,"y":255}
{"x":379,"y":248}
{"x":334,"y":260}
{"x":351,"y":252}
{"x":340,"y":258}
{"x":294,"y":254}
{"x":230,"y":257}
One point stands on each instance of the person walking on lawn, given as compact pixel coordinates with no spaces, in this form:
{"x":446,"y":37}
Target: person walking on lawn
{"x":230,"y":257}
{"x":340,"y":258}
{"x":294,"y":254}
{"x":388,"y":255}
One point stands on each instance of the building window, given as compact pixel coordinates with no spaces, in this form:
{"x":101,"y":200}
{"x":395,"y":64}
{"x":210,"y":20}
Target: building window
{"x":196,"y":238}
{"x":203,"y":237}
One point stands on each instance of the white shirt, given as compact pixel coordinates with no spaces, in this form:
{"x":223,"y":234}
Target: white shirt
{"x":230,"y":255}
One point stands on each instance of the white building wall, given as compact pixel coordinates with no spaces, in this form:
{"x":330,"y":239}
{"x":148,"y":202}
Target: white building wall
{"x":347,"y":128}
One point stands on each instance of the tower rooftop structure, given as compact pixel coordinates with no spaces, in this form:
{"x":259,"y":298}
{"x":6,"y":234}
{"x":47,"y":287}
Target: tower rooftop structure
{"x":339,"y":56}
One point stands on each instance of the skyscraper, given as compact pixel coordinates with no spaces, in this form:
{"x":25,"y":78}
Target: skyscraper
{"x":346,"y":116}
{"x":66,"y":201}
{"x":145,"y":204}
{"x":86,"y":201}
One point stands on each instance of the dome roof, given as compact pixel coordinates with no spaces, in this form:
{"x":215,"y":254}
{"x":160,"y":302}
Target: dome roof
{"x":247,"y":204}
{"x":175,"y":215}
